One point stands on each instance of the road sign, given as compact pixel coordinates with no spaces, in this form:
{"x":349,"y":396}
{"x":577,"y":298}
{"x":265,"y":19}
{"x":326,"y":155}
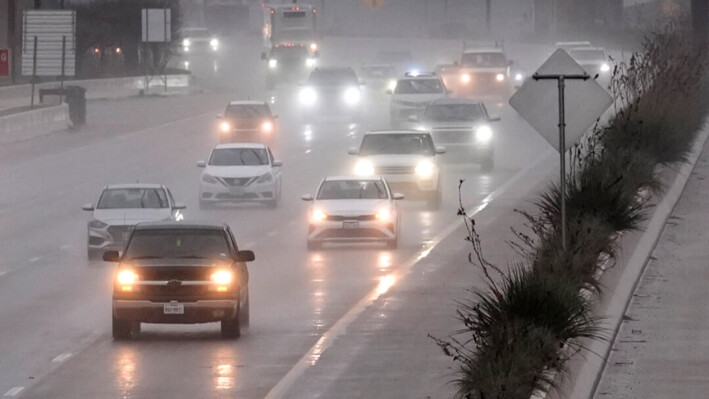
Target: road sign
{"x":51,"y":28}
{"x":4,"y":62}
{"x":374,"y":4}
{"x":156,"y":25}
{"x":537,"y":101}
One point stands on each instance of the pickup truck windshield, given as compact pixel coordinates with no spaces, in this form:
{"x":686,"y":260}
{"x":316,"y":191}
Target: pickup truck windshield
{"x":176,"y":244}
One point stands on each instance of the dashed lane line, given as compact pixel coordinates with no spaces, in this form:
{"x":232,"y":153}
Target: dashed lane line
{"x":61,"y":357}
{"x":13,"y":392}
{"x":35,"y":259}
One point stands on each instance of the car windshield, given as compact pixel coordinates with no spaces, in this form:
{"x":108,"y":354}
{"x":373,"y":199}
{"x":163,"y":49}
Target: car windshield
{"x":352,"y":189}
{"x":247,"y":111}
{"x":483,"y":60}
{"x":196,"y":33}
{"x":177,"y":243}
{"x":239,"y":157}
{"x":128,"y":198}
{"x":454,"y":112}
{"x":333,"y":78}
{"x":419,"y":86}
{"x":414,"y":143}
{"x":587,"y":55}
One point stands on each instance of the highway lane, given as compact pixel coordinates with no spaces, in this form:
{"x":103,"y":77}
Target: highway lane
{"x":55,"y":334}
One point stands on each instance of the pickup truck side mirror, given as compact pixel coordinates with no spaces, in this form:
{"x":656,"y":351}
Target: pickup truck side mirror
{"x":201,"y":164}
{"x":87,"y":207}
{"x":353,"y":151}
{"x":398,"y":196}
{"x":245,"y":256}
{"x":440,"y":149}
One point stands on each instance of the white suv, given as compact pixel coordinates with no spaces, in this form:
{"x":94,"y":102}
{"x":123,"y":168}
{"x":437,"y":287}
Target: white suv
{"x":412,"y":94}
{"x":407,"y":159}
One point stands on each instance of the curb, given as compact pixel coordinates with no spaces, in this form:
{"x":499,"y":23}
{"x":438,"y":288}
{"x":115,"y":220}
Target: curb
{"x":591,"y":371}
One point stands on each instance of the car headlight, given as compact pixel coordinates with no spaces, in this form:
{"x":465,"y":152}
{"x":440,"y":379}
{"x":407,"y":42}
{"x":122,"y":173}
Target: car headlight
{"x":308,"y":96}
{"x":383,"y":215}
{"x":391,"y":85}
{"x":272,"y":63}
{"x":225,"y":127}
{"x":310,"y":62}
{"x":425,"y":169}
{"x":214,"y":43}
{"x":266,"y":177}
{"x":125,"y":279}
{"x":207,"y":178}
{"x":483,"y":134}
{"x":364,"y":167}
{"x":518,"y":77}
{"x":465,"y":78}
{"x":97,"y":224}
{"x":500,"y":77}
{"x":186,"y":42}
{"x":318,"y":215}
{"x":352,"y":96}
{"x":313,"y":46}
{"x":267,"y":127}
{"x":605,"y":67}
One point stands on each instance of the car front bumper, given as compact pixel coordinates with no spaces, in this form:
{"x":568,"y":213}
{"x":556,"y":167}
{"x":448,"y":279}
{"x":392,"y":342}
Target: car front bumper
{"x":351,"y":231}
{"x":201,"y":311}
{"x":251,"y":193}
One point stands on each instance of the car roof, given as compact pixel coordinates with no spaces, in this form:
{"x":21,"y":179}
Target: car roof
{"x":240,"y":145}
{"x":247,"y":102}
{"x":174,"y":225}
{"x":450,"y":100}
{"x":397,"y":131}
{"x":134,"y":185}
{"x":352,"y":177}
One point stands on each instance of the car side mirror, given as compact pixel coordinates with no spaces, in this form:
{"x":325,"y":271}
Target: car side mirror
{"x":277,"y":163}
{"x":87,"y":207}
{"x":179,"y":205}
{"x":245,"y":256}
{"x":111,"y":256}
{"x":307,"y":197}
{"x":494,"y":118}
{"x":440,"y":149}
{"x":398,"y":196}
{"x":201,"y":164}
{"x":413,"y":118}
{"x":389,"y":92}
{"x":264,"y":56}
{"x":353,"y":151}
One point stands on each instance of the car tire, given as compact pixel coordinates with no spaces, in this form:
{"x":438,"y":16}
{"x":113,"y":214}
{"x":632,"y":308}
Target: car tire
{"x":231,"y":329}
{"x":313,"y":245}
{"x":122,"y":329}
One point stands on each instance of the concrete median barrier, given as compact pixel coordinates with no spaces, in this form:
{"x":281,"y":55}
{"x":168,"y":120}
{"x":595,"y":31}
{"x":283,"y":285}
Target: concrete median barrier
{"x":33,"y":123}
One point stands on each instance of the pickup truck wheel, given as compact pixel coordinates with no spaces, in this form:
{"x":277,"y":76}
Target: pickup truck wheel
{"x":231,"y":329}
{"x":122,"y":329}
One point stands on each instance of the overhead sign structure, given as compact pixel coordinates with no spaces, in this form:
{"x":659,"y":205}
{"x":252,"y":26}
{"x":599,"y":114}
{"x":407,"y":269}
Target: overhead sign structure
{"x":4,"y":62}
{"x":374,"y":4}
{"x":53,"y":32}
{"x":156,"y":25}
{"x":537,"y":101}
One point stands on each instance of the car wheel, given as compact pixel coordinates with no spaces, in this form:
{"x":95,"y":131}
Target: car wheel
{"x":488,"y":164}
{"x":313,"y":245}
{"x":231,"y":329}
{"x":122,"y":329}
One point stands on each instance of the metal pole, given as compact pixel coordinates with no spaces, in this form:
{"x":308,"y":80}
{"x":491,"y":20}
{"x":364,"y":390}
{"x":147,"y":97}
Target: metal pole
{"x":562,"y":159}
{"x":34,"y":69}
{"x":61,"y":84}
{"x":488,"y":16}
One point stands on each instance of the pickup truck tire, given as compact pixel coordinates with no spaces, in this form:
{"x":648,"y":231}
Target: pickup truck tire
{"x":231,"y":329}
{"x":121,"y":329}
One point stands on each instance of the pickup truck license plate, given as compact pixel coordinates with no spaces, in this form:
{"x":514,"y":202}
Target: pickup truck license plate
{"x":173,"y":308}
{"x":350,"y":225}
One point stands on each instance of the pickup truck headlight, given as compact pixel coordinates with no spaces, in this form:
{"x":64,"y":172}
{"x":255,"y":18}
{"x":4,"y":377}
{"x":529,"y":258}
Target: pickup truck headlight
{"x":126,"y":279}
{"x":318,"y":215}
{"x":267,"y":127}
{"x":97,"y":224}
{"x":272,"y":63}
{"x":307,"y":96}
{"x":384,"y":215}
{"x":186,"y":42}
{"x":352,"y":96}
{"x":465,"y":78}
{"x":225,"y":127}
{"x":425,"y":169}
{"x":500,"y":77}
{"x":364,"y":167}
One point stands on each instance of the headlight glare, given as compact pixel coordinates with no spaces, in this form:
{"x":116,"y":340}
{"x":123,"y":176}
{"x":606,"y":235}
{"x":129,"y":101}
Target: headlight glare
{"x":383,"y":215}
{"x":310,"y":62}
{"x":222,"y":277}
{"x":352,"y":96}
{"x":483,"y":134}
{"x":272,"y":63}
{"x":267,"y":127}
{"x":318,"y":215}
{"x":500,"y":77}
{"x":186,"y":42}
{"x":126,"y":277}
{"x":425,"y":169}
{"x":308,"y":96}
{"x":518,"y":77}
{"x":225,"y":127}
{"x":364,"y":168}
{"x":214,"y":43}
{"x":391,"y":85}
{"x":605,"y":67}
{"x":465,"y":78}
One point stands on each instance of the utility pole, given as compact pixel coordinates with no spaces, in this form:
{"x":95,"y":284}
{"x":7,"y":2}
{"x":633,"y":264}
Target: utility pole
{"x":488,"y":16}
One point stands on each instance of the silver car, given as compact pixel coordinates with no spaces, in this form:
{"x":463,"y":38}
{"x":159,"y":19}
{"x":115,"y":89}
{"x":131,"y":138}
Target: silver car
{"x":120,"y":207}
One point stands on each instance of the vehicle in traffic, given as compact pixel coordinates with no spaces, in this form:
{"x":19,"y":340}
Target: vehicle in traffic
{"x":247,"y":121}
{"x":353,"y":209}
{"x":120,"y":207}
{"x":412,"y":93}
{"x":461,"y":124}
{"x":331,"y":91}
{"x":240,"y":172}
{"x":199,"y":41}
{"x":387,"y":66}
{"x":290,"y":25}
{"x":407,"y":159}
{"x":288,"y":63}
{"x":593,"y":59}
{"x":481,"y":71}
{"x":179,"y":273}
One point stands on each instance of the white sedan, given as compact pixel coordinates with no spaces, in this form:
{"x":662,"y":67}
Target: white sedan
{"x":240,"y":172}
{"x":353,"y":209}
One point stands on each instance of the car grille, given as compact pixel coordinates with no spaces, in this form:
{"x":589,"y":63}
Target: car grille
{"x":237,"y":181}
{"x":394,"y":170}
{"x":339,"y":218}
{"x":118,"y":232}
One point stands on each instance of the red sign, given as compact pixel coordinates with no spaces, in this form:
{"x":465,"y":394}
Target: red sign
{"x":4,"y":62}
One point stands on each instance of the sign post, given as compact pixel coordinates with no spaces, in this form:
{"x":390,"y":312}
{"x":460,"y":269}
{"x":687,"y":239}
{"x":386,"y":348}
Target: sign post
{"x":156,"y":28}
{"x":4,"y":62}
{"x":578,"y":108}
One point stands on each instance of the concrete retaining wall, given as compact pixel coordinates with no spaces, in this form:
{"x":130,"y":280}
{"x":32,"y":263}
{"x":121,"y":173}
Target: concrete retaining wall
{"x":33,"y":123}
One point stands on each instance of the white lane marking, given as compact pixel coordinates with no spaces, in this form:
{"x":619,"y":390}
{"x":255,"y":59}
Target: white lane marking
{"x":272,"y":233}
{"x":13,"y":391}
{"x":340,"y":327}
{"x":35,"y":259}
{"x":61,"y":357}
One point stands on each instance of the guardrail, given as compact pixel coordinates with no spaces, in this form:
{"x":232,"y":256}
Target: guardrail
{"x":33,"y":123}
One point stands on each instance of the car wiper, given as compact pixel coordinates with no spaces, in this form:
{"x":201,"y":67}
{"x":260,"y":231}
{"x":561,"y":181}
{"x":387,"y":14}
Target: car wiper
{"x":146,"y":257}
{"x":191,"y":257}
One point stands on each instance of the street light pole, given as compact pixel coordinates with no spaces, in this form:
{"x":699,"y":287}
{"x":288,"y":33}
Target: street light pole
{"x":561,"y":80}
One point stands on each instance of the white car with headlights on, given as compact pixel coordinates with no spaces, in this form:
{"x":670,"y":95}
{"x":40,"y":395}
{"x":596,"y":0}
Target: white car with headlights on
{"x":198,"y":41}
{"x":240,"y":172}
{"x":412,"y":93}
{"x":407,"y":159}
{"x":353,"y":209}
{"x":247,"y":121}
{"x":594,"y":60}
{"x":463,"y":126}
{"x":331,"y":91}
{"x":120,"y":207}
